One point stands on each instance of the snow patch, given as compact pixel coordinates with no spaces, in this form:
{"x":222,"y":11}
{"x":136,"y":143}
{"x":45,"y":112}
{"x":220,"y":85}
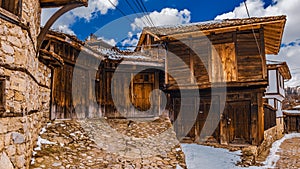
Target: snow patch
{"x":43,"y":130}
{"x":40,"y":142}
{"x":199,"y":156}
{"x":273,"y":157}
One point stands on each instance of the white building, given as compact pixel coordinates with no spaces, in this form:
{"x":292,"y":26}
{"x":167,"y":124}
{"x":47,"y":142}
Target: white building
{"x":275,"y":94}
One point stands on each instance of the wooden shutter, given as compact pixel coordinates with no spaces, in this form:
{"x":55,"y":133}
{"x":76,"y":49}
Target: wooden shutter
{"x":224,"y":54}
{"x":11,"y":6}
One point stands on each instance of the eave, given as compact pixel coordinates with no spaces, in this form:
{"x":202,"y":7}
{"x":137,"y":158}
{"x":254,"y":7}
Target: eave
{"x":59,"y":3}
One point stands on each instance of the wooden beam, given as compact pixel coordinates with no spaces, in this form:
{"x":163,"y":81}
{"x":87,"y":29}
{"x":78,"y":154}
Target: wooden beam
{"x":51,"y":21}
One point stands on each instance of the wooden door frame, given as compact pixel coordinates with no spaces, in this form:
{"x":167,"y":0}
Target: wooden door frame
{"x":226,"y":114}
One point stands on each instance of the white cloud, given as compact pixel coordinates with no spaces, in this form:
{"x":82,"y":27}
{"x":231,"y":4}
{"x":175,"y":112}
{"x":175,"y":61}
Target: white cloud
{"x":279,"y":7}
{"x":87,"y":13}
{"x":290,"y":8}
{"x":167,"y":16}
{"x":111,"y":42}
{"x":94,"y":6}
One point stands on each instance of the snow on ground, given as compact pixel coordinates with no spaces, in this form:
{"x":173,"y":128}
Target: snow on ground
{"x":199,"y":156}
{"x":39,"y":143}
{"x":273,"y":157}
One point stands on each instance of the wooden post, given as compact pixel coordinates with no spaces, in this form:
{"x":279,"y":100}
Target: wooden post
{"x":191,"y":62}
{"x":156,"y":87}
{"x":166,"y":65}
{"x":262,"y":50}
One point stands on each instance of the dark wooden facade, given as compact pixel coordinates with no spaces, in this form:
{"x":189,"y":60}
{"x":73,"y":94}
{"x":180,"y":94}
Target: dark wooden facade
{"x":82,"y":84}
{"x":291,"y":121}
{"x":195,"y":54}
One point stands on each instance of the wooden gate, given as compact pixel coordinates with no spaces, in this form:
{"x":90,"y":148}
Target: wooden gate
{"x":237,"y":116}
{"x":209,"y":119}
{"x":62,"y":93}
{"x":184,"y":117}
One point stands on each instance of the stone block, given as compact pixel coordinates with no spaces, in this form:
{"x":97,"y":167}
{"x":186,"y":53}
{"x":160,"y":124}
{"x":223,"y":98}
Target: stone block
{"x":3,"y":128}
{"x":19,"y":96}
{"x":18,"y":138}
{"x":5,"y":162}
{"x":1,"y":142}
{"x":21,"y":149}
{"x":7,"y":48}
{"x":20,"y":161}
{"x":14,"y":41}
{"x":7,"y":139}
{"x":11,"y":150}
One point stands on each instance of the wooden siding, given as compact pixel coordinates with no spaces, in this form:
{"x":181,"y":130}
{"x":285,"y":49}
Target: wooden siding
{"x":230,"y":57}
{"x":269,"y":117}
{"x":292,"y":123}
{"x":239,"y":123}
{"x":250,"y":63}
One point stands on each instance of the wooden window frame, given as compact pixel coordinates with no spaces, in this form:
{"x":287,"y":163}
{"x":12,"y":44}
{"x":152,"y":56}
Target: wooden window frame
{"x":11,"y":15}
{"x":2,"y":94}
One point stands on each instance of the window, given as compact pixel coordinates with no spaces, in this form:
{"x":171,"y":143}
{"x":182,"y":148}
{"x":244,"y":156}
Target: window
{"x":2,"y":94}
{"x":13,"y":6}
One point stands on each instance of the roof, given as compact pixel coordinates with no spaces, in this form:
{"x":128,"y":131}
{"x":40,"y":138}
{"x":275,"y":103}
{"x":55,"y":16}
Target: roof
{"x":273,"y":30}
{"x":291,"y":112}
{"x":132,"y":58}
{"x":104,"y":51}
{"x":58,"y":3}
{"x":296,"y":107}
{"x":283,"y":69}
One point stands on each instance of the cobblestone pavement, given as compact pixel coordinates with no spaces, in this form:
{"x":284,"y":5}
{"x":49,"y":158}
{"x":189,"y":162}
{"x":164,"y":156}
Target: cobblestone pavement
{"x":289,"y":154}
{"x":101,"y":143}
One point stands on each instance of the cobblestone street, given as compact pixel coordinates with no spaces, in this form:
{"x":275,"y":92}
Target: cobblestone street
{"x":289,"y":153}
{"x":101,"y":143}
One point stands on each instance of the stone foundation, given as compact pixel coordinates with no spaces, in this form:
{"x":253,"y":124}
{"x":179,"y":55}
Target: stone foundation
{"x":18,"y":136}
{"x":251,"y":153}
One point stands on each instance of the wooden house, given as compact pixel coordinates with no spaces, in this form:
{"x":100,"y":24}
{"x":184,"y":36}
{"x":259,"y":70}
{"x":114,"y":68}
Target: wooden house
{"x":194,"y":55}
{"x":278,"y":73}
{"x":292,"y":120}
{"x":83,"y":85}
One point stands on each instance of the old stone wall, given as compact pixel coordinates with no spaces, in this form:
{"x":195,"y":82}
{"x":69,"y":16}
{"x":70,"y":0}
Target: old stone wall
{"x":18,"y":136}
{"x":251,"y":153}
{"x":27,"y":86}
{"x":270,"y":136}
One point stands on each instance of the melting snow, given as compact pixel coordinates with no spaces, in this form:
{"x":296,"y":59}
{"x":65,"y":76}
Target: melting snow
{"x":273,"y":157}
{"x":198,"y":156}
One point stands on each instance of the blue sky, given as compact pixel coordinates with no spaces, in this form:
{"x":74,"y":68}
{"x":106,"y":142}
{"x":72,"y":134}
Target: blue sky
{"x":107,"y":22}
{"x":200,"y":11}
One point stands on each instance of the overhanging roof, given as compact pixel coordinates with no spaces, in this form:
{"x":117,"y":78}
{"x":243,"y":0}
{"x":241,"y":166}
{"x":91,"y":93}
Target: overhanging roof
{"x":283,"y":69}
{"x":273,"y":30}
{"x":58,"y":3}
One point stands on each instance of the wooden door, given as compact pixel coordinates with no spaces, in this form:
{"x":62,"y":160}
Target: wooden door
{"x":209,"y":119}
{"x":238,"y":121}
{"x":184,"y":117}
{"x":293,"y":124}
{"x":141,"y":96}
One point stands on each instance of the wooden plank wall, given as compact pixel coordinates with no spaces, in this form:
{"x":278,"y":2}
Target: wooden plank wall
{"x":237,"y":52}
{"x":250,"y":65}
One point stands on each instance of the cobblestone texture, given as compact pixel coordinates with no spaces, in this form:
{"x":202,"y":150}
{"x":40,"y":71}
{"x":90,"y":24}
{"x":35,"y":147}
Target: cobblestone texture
{"x":289,"y":154}
{"x":101,"y":143}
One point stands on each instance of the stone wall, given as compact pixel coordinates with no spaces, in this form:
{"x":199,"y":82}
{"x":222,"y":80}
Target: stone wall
{"x":251,"y":153}
{"x":18,"y":136}
{"x":27,"y":86}
{"x":270,"y":136}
